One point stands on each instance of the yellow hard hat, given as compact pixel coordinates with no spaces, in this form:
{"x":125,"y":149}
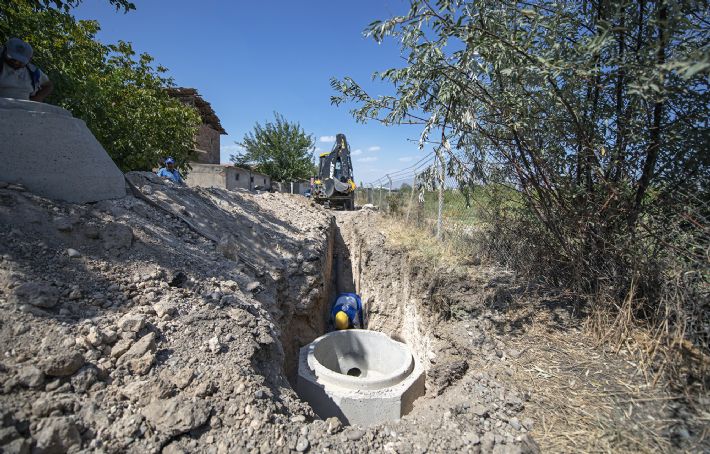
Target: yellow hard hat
{"x":341,"y":320}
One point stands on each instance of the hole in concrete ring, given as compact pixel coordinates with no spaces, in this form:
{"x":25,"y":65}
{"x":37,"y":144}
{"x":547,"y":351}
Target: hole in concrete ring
{"x":360,"y":376}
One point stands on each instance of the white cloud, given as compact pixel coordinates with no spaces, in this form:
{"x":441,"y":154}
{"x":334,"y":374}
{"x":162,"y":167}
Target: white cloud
{"x":405,"y":159}
{"x":375,"y":148}
{"x":327,"y":139}
{"x":357,"y":152}
{"x":367,"y":159}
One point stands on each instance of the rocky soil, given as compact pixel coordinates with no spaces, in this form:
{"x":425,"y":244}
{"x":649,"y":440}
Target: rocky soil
{"x":170,"y":321}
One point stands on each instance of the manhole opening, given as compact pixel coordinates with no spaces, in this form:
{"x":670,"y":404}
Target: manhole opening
{"x":354,"y":371}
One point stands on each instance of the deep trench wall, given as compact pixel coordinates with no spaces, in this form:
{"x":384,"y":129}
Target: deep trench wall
{"x":396,"y":291}
{"x":305,"y":319}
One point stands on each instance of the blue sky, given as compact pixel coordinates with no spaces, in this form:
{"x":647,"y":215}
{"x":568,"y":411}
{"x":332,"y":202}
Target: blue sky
{"x":250,"y":59}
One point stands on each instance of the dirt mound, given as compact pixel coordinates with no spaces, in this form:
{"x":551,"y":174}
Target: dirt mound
{"x":125,"y":329}
{"x":171,"y":321}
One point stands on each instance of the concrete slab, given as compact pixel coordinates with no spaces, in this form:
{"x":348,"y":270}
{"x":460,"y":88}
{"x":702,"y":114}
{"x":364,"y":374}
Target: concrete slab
{"x":53,"y":154}
{"x":362,"y":377}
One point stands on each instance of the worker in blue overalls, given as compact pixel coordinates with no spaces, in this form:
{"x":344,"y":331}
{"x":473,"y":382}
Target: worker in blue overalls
{"x":347,"y":312}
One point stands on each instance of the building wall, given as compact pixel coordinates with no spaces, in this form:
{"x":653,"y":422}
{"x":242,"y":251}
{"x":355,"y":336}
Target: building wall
{"x":237,"y":178}
{"x":261,"y":180}
{"x":207,"y":145}
{"x":206,"y":176}
{"x":226,"y":177}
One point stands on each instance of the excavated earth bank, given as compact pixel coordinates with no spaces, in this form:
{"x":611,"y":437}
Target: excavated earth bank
{"x":171,"y":322}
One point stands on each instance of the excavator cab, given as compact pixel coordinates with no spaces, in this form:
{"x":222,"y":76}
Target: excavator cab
{"x":334,"y":185}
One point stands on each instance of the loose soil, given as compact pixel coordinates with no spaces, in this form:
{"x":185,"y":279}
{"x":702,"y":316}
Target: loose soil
{"x":171,"y":322}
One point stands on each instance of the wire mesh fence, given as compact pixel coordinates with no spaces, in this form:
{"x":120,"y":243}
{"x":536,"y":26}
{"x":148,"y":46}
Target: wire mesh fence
{"x":428,"y":196}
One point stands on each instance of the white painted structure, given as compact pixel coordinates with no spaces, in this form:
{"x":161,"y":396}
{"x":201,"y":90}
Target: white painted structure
{"x":53,"y":154}
{"x":362,"y":377}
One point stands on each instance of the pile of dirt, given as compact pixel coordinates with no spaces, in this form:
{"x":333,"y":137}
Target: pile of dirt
{"x":171,"y":321}
{"x":125,"y":329}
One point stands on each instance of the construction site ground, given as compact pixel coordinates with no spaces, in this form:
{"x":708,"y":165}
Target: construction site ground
{"x":170,"y":321}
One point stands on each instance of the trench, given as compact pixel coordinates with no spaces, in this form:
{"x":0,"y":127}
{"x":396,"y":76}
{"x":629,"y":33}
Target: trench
{"x":385,"y":286}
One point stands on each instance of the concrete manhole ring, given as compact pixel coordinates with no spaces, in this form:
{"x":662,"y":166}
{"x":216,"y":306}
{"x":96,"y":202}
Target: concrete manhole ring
{"x":363,"y":377}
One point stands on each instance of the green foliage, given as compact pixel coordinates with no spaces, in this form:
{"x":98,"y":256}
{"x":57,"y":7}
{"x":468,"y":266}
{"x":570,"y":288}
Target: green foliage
{"x":66,"y":5}
{"x":594,"y":112}
{"x":119,"y":94}
{"x":280,"y":149}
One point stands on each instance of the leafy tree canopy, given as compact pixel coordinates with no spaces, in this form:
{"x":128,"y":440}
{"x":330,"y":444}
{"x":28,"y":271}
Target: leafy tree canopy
{"x":594,"y":114}
{"x":120,"y":95}
{"x":66,"y":5}
{"x":280,"y":149}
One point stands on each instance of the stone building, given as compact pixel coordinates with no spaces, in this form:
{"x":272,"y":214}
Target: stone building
{"x":227,"y":177}
{"x":207,"y":141}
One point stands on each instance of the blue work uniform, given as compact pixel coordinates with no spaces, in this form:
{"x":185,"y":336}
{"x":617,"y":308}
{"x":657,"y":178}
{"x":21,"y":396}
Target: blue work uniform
{"x":351,"y":304}
{"x":173,"y":175}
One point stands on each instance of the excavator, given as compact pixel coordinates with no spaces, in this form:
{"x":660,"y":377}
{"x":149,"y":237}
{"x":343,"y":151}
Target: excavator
{"x":334,"y":185}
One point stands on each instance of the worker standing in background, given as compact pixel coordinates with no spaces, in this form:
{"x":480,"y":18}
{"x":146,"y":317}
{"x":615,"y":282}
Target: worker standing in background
{"x":169,"y":171}
{"x":19,"y":78}
{"x":347,"y":312}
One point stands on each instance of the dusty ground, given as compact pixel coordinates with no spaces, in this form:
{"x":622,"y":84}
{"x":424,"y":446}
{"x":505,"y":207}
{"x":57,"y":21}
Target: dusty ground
{"x":580,"y":395}
{"x":171,"y":322}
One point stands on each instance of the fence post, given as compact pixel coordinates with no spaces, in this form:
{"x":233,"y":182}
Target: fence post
{"x":411,"y":199}
{"x":379,"y":189}
{"x":441,"y":196}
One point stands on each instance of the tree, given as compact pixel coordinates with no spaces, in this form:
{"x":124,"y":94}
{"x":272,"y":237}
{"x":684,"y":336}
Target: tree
{"x":593,"y":113}
{"x":66,"y":5}
{"x":120,"y":95}
{"x":280,"y":149}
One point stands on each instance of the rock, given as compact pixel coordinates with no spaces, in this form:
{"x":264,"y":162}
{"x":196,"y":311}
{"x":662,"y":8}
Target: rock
{"x":94,"y":337}
{"x":228,"y":247}
{"x":333,"y":425}
{"x":120,"y":348}
{"x":479,"y":410}
{"x":116,"y":236}
{"x":17,"y":446}
{"x":37,"y":294}
{"x":514,"y":353}
{"x":8,"y":434}
{"x":141,"y":356}
{"x":63,"y":364}
{"x":31,"y":377}
{"x":177,"y":415}
{"x":214,"y":345}
{"x":131,"y":323}
{"x":515,"y":423}
{"x":302,"y":444}
{"x":73,"y":253}
{"x":355,"y":434}
{"x":57,"y":435}
{"x":82,"y":381}
{"x":182,"y":377}
{"x":487,"y":442}
{"x":165,"y":309}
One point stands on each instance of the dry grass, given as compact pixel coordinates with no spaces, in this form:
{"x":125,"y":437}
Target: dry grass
{"x":593,"y":383}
